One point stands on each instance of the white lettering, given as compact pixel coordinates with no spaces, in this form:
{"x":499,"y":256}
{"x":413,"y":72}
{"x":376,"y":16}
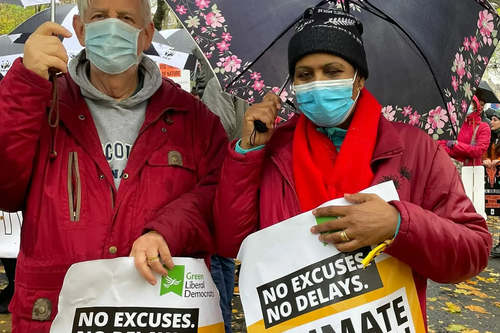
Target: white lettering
{"x":315,"y":277}
{"x":87,"y":318}
{"x":301,"y":302}
{"x":269,"y":296}
{"x":281,"y":290}
{"x":101,"y":319}
{"x":119,"y":319}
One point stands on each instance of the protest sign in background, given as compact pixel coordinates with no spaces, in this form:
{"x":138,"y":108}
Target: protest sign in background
{"x":110,"y":296}
{"x":10,"y":234}
{"x":492,"y":190}
{"x":290,"y":282}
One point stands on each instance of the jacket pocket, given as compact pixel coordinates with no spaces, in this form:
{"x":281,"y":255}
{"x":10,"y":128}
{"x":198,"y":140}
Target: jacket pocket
{"x":170,"y":173}
{"x":73,"y":190}
{"x":74,"y":187}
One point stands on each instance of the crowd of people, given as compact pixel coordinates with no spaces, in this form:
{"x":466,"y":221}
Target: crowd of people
{"x":125,"y":163}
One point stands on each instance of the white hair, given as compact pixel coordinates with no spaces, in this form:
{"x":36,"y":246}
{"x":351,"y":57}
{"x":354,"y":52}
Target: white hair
{"x":83,"y":5}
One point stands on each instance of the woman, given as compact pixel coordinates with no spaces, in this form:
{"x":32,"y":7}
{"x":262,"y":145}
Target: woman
{"x":492,"y":155}
{"x":473,"y":139}
{"x":342,"y":144}
{"x":491,"y":159}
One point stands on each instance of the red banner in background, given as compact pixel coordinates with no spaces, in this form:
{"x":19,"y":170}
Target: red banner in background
{"x":169,"y":71}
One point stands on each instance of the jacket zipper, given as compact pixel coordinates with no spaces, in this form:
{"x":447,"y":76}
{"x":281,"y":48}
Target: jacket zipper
{"x":112,"y":198}
{"x":140,"y":132}
{"x":74,"y":187}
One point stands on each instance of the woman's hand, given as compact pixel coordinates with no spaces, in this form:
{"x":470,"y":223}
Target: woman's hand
{"x":370,"y":221}
{"x":267,"y":111}
{"x":494,"y":162}
{"x":487,"y":162}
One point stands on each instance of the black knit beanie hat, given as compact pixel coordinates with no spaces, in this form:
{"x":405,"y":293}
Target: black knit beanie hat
{"x":496,"y":114}
{"x":328,"y":31}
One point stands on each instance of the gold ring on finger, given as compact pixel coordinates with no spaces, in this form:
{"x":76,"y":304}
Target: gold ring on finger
{"x":343,"y":237}
{"x":153,"y":259}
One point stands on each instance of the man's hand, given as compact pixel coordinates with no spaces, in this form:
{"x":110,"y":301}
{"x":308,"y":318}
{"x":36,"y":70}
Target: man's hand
{"x":44,"y":50}
{"x":147,"y":251}
{"x":370,"y":221}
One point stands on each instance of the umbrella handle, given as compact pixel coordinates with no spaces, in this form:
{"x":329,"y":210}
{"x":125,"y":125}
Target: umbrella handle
{"x":260,"y":126}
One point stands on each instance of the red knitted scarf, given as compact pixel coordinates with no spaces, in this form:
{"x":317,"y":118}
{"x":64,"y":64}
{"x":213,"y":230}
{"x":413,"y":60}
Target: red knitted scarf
{"x":322,"y":174}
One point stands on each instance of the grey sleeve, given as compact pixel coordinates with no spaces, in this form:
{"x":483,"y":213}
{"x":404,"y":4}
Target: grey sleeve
{"x":229,"y":108}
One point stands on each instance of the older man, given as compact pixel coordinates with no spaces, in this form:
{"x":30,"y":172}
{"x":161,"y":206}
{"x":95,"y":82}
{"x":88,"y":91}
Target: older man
{"x":130,"y":168}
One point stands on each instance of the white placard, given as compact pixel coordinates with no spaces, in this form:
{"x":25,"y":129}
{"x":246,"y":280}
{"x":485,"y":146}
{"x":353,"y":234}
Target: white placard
{"x":291,"y":282}
{"x":10,"y":234}
{"x":184,"y":80}
{"x":110,"y":296}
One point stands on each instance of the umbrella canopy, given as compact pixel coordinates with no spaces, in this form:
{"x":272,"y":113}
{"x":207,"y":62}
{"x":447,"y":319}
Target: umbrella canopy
{"x":179,"y":39}
{"x":487,"y":93}
{"x":26,"y":3}
{"x":12,"y":46}
{"x":64,"y":16}
{"x":424,"y":62}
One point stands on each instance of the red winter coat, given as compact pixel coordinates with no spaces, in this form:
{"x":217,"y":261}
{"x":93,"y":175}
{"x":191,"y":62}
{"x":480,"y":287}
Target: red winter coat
{"x":463,"y":151}
{"x":168,"y":185}
{"x":441,"y":236}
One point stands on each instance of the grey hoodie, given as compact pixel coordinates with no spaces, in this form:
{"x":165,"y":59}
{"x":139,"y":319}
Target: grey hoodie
{"x":117,"y":123}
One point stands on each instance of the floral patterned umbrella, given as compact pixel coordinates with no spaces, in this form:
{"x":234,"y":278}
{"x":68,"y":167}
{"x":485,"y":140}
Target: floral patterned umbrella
{"x":426,"y":57}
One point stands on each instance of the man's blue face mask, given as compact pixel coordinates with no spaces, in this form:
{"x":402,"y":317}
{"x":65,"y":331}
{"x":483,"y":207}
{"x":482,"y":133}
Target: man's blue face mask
{"x":111,"y":45}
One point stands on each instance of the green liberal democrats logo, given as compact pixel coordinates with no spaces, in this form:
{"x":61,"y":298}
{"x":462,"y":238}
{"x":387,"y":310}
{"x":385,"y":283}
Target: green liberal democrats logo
{"x":174,"y":282}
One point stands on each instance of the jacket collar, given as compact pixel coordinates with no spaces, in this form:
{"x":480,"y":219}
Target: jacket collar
{"x":167,"y":97}
{"x":389,"y":141}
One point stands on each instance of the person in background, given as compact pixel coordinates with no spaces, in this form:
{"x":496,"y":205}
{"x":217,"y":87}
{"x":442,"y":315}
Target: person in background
{"x":489,"y":113}
{"x":231,"y":111}
{"x":473,"y":139}
{"x":203,"y":72}
{"x":339,"y":145}
{"x":194,"y":94}
{"x":228,"y":107}
{"x":491,"y":159}
{"x":482,"y":102}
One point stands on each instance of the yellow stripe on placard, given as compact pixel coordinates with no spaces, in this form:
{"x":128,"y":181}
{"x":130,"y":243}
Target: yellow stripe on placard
{"x":394,"y":274}
{"x":216,"y":328}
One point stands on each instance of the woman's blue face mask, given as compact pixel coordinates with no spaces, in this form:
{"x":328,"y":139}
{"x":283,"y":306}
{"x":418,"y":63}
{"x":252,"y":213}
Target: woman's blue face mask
{"x":326,"y":103}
